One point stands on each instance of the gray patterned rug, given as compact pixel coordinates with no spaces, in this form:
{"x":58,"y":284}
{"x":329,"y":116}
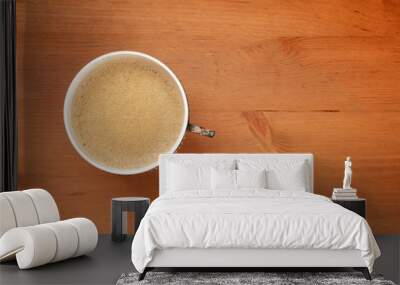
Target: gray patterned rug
{"x":269,"y":278}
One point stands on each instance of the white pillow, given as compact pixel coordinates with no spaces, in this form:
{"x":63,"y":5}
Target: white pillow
{"x":282,"y":174}
{"x":251,"y":178}
{"x":223,"y":179}
{"x":193,"y":173}
{"x":287,"y":179}
{"x":188,"y":177}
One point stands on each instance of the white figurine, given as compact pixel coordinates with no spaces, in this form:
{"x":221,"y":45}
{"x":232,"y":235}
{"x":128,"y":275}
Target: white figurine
{"x":347,"y":173}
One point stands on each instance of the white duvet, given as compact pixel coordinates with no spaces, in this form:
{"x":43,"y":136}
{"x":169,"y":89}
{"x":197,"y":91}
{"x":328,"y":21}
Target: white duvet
{"x":250,"y":219}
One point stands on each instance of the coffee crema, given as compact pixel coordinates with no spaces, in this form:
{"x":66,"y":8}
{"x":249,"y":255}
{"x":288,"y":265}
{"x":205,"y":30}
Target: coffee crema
{"x":126,"y":112}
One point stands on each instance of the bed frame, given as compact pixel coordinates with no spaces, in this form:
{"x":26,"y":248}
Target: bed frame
{"x":245,"y":259}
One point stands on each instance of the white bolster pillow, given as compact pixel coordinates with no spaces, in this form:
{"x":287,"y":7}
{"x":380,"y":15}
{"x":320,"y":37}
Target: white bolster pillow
{"x":7,"y":218}
{"x":26,"y":208}
{"x":45,"y":206}
{"x":87,"y":235}
{"x":37,"y":245}
{"x":33,"y":246}
{"x":23,"y":208}
{"x":67,"y":240}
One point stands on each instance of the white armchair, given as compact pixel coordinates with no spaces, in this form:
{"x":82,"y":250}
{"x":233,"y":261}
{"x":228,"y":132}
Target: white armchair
{"x":31,"y":230}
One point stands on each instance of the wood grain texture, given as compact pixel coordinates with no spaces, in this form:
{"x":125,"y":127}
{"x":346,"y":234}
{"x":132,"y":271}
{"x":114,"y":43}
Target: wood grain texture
{"x":268,"y":76}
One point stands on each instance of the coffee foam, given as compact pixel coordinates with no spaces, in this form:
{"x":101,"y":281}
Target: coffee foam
{"x":126,"y":112}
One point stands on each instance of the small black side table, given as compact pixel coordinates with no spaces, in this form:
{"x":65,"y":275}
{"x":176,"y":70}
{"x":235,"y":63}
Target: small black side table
{"x":120,"y":207}
{"x":358,"y":206}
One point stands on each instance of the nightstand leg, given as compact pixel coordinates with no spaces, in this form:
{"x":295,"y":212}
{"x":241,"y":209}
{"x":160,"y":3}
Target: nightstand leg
{"x":117,"y":220}
{"x":140,"y":211}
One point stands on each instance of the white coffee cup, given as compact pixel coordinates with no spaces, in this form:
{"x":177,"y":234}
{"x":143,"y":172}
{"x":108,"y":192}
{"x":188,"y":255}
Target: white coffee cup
{"x":155,"y":64}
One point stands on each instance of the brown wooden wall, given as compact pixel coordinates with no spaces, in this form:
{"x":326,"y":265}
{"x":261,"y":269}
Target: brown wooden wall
{"x":268,"y":76}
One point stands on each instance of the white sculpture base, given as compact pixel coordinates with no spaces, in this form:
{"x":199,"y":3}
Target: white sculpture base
{"x":344,"y":194}
{"x":344,"y":190}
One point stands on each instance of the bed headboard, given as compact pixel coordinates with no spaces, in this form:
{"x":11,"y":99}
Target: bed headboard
{"x":209,"y":157}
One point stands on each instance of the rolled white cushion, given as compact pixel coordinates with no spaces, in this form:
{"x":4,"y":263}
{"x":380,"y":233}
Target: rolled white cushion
{"x":67,"y":240}
{"x":45,"y":205}
{"x":87,"y":235}
{"x":33,"y":246}
{"x":7,"y":218}
{"x":23,"y":208}
{"x":37,"y":245}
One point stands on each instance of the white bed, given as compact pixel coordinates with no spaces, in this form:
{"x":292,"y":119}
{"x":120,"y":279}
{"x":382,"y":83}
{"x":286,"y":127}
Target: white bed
{"x":249,"y":227}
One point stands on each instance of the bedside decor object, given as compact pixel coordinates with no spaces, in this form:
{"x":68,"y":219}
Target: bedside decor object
{"x":347,"y":173}
{"x":125,"y":108}
{"x":358,"y":205}
{"x":32,"y":233}
{"x":346,"y":193}
{"x":120,"y":207}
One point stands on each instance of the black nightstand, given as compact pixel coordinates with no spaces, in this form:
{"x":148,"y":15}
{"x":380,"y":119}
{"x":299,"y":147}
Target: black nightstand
{"x":120,"y":206}
{"x":358,"y":206}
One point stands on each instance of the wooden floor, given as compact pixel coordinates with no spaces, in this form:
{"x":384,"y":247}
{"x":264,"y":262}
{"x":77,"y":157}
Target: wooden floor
{"x":110,"y":260}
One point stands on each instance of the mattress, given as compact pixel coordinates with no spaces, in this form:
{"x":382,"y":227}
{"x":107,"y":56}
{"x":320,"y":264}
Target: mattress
{"x":250,"y":219}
